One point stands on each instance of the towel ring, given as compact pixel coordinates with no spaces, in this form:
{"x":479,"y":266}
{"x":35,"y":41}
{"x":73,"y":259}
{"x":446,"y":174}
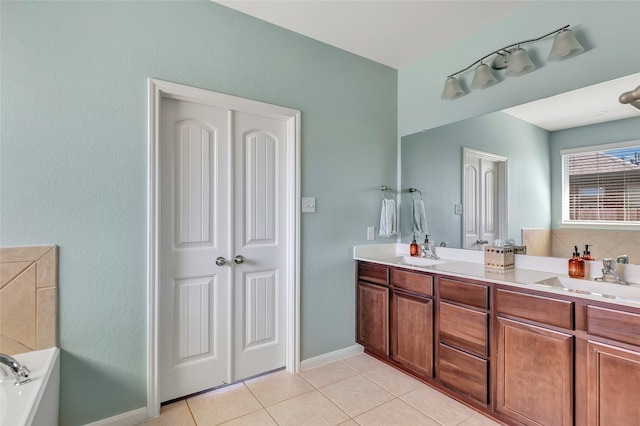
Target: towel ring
{"x":384,"y":189}
{"x":413,"y":190}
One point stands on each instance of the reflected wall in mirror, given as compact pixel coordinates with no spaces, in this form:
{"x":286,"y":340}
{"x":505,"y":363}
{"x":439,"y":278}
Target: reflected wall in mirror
{"x":431,"y":160}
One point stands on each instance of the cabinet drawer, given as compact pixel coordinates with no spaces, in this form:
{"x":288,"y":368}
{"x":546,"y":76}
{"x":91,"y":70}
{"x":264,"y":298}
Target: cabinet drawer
{"x":469,"y":294}
{"x":411,"y":281}
{"x":464,"y":328}
{"x":464,"y":373}
{"x":615,"y":325}
{"x":372,"y":273}
{"x":553,"y":312}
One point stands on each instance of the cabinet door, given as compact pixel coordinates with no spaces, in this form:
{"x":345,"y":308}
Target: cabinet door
{"x":534,"y":374}
{"x":613,"y":386}
{"x":412,"y":333}
{"x":373,"y":317}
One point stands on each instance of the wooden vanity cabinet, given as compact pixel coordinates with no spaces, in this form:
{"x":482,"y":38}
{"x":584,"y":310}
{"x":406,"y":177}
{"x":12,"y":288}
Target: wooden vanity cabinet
{"x":613,"y":368}
{"x":463,"y":338}
{"x":535,"y":360}
{"x":412,"y":321}
{"x":524,"y":357}
{"x":372,"y":300}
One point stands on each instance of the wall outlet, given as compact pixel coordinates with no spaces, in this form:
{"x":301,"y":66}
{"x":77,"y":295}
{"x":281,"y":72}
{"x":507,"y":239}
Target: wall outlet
{"x":371,"y":233}
{"x":457,"y":209}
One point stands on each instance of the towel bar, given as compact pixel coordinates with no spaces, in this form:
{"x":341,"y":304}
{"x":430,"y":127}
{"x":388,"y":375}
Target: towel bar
{"x":412,"y":190}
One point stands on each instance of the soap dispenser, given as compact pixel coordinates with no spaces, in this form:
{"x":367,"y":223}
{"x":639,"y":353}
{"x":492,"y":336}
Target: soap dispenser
{"x":586,"y":254}
{"x":414,"y":249}
{"x":576,"y":265}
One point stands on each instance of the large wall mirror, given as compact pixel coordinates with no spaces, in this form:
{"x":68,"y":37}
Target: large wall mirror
{"x":530,"y":138}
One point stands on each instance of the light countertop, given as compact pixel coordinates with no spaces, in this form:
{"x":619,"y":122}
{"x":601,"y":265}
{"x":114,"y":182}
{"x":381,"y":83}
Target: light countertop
{"x":528,"y":272}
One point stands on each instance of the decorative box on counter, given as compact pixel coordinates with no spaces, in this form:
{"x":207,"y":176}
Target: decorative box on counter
{"x":499,"y":257}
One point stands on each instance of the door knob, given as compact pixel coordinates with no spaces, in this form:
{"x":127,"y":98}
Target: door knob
{"x":220,"y":261}
{"x":238,"y":259}
{"x":482,"y":242}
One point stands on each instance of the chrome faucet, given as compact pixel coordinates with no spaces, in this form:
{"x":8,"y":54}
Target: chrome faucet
{"x":10,"y":368}
{"x":609,"y":268}
{"x":427,"y":249}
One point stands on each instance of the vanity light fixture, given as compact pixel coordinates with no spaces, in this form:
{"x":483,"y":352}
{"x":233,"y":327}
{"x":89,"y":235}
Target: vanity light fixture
{"x":514,"y":60}
{"x":631,"y":97}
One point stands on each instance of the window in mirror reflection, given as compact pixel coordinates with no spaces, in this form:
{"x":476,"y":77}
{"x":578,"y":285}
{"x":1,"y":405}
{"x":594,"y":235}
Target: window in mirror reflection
{"x":601,"y":185}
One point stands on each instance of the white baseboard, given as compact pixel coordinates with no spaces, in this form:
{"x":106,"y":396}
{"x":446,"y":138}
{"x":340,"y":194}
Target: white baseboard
{"x":124,"y":419}
{"x":319,"y":360}
{"x":140,"y":415}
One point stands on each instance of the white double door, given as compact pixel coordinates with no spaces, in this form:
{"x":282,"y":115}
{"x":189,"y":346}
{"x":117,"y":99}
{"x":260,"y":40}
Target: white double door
{"x":222,"y":246}
{"x":484,"y":197}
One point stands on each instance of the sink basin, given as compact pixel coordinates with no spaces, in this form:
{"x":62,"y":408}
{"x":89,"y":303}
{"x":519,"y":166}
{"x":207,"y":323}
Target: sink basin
{"x":421,"y":261}
{"x":605,"y":289}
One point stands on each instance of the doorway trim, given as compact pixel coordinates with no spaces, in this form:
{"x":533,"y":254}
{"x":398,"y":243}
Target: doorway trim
{"x":159,"y":89}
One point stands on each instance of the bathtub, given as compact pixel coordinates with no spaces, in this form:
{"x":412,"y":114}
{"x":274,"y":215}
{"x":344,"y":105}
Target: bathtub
{"x":34,"y":403}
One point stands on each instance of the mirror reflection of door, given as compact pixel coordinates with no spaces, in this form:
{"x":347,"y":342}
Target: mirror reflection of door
{"x":484,"y":198}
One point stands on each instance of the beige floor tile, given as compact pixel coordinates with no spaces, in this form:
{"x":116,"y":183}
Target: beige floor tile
{"x":329,"y":373}
{"x":309,"y":409}
{"x":222,"y":405}
{"x":356,"y":395}
{"x":395,"y":381}
{"x":349,"y":422}
{"x":257,"y":418}
{"x":395,"y":412}
{"x":479,"y":420}
{"x":438,"y":406}
{"x":277,"y":387}
{"x":176,"y":414}
{"x":362,"y":362}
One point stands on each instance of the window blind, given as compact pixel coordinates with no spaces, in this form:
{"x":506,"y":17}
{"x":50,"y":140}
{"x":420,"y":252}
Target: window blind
{"x":602,"y":186}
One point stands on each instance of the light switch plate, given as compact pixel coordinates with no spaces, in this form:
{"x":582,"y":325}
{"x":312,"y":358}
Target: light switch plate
{"x":457,"y":209}
{"x":308,"y":204}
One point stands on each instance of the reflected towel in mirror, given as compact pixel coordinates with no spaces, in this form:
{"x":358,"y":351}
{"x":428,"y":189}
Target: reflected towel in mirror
{"x":388,"y":218}
{"x":419,"y":217}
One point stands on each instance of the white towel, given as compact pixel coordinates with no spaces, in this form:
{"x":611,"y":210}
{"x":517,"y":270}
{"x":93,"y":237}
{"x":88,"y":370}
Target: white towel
{"x":388,"y":218}
{"x":419,"y":217}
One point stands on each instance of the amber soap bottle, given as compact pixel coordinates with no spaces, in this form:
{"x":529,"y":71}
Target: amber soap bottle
{"x":414,"y":248}
{"x":576,"y":265}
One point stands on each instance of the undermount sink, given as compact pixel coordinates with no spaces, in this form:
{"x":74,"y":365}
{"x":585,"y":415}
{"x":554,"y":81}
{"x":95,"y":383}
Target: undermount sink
{"x":605,"y":289}
{"x":421,"y":261}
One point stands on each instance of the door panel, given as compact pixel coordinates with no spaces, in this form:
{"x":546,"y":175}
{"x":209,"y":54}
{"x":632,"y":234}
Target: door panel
{"x":259,"y":151}
{"x":194,"y":291}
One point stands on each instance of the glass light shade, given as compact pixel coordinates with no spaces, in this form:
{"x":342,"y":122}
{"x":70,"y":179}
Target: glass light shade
{"x":519,"y":63}
{"x":565,"y":46}
{"x":483,"y":77}
{"x":452,"y":89}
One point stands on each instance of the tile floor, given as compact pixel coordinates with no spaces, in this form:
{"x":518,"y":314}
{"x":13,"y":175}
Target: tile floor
{"x":359,"y":390}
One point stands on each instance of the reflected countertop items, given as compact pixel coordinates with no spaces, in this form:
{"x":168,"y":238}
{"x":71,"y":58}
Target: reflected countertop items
{"x":541,"y":273}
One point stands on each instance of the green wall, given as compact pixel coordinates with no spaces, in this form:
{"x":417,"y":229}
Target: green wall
{"x":432,"y":162}
{"x":73,"y":159}
{"x":595,"y":134}
{"x":605,"y":28}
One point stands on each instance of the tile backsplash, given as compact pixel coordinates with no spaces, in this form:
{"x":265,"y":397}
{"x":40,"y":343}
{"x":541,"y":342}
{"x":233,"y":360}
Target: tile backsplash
{"x":603,"y":243}
{"x":28,"y":298}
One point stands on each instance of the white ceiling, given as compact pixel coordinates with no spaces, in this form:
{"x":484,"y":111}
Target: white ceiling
{"x":391,"y":32}
{"x":589,"y":105}
{"x":398,"y":32}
